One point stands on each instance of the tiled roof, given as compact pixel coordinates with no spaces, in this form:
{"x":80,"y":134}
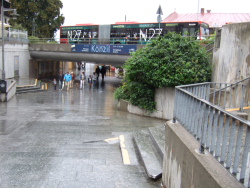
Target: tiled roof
{"x":213,"y":19}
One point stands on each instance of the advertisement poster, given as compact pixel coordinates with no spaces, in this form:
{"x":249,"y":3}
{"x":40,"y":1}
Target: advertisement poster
{"x":104,"y":48}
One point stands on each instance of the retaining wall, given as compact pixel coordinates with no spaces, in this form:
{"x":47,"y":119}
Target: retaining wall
{"x":164,"y":98}
{"x":11,"y":91}
{"x":184,"y":167}
{"x":231,"y":55}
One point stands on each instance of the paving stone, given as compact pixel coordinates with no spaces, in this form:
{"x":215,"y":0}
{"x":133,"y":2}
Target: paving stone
{"x":90,"y":184}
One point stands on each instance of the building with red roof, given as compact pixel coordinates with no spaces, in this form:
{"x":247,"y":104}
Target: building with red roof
{"x":214,"y":20}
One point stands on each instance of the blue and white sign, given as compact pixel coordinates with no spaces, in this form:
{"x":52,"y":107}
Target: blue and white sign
{"x":104,"y":48}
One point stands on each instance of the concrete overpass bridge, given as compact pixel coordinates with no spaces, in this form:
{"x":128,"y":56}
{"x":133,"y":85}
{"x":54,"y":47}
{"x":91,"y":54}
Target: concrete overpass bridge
{"x":115,"y":55}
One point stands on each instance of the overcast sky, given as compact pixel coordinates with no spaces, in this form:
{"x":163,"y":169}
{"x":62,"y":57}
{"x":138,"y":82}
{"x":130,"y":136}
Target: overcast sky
{"x":111,"y":11}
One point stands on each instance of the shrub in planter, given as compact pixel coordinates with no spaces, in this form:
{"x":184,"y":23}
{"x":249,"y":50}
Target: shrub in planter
{"x":168,"y":60}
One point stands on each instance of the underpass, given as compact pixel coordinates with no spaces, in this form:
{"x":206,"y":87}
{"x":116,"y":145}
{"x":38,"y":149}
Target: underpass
{"x":48,"y":59}
{"x":65,"y":52}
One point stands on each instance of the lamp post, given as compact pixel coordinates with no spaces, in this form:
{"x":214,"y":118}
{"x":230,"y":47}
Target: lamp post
{"x":2,"y":19}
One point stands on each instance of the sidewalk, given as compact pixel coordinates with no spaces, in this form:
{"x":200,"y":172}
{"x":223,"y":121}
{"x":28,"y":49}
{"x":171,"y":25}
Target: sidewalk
{"x":56,"y":140}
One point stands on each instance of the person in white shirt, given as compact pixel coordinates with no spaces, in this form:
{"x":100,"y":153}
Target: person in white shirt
{"x":82,"y":78}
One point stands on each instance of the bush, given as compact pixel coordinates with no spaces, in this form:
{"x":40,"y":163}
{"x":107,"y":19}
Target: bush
{"x":34,"y":39}
{"x":169,"y":60}
{"x":37,"y":40}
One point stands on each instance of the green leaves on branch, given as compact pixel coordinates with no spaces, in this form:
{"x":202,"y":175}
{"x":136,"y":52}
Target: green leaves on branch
{"x":41,"y":18}
{"x":167,"y":61}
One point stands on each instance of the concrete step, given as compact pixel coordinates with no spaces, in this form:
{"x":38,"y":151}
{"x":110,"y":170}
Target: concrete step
{"x":35,"y":88}
{"x":27,"y":88}
{"x":150,"y":157}
{"x":128,"y":149}
{"x":157,"y":135}
{"x":28,"y":91}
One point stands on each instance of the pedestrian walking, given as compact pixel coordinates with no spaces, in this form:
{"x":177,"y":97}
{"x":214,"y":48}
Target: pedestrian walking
{"x":60,"y":80}
{"x":90,"y":81}
{"x":54,"y":84}
{"x":103,"y":72}
{"x":82,"y":79}
{"x":83,"y":65}
{"x":67,"y":79}
{"x":97,"y":70}
{"x":94,"y":79}
{"x":72,"y":80}
{"x":79,"y":65}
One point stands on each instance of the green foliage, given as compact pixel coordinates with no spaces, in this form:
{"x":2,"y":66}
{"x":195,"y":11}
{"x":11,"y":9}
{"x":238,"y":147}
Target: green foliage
{"x":170,"y":60}
{"x":208,"y":40}
{"x":120,"y":93}
{"x":40,"y":16}
{"x":18,"y":27}
{"x":33,"y":39}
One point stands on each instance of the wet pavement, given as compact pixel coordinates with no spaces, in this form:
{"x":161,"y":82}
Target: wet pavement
{"x":56,"y":139}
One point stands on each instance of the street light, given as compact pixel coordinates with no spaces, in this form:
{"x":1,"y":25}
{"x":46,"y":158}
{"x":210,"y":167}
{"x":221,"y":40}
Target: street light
{"x":2,"y":18}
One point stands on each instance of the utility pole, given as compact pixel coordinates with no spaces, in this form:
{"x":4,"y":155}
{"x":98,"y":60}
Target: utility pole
{"x":2,"y":20}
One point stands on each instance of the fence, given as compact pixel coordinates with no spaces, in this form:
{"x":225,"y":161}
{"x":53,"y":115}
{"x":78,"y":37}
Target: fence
{"x":15,"y":35}
{"x":18,"y":35}
{"x":112,"y":40}
{"x":201,"y":109}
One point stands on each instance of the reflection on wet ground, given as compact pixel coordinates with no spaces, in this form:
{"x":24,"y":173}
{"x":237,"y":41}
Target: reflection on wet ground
{"x":57,"y":139}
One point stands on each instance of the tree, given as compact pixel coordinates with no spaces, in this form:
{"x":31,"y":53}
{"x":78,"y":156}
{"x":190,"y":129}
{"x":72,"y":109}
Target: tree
{"x":169,"y":60}
{"x":41,"y":16}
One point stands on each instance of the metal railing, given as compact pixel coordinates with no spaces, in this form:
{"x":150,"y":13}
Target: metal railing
{"x":15,"y":35}
{"x":111,"y":40}
{"x":209,"y":47}
{"x":225,"y":135}
{"x":232,"y":97}
{"x":45,"y":40}
{"x":122,"y":40}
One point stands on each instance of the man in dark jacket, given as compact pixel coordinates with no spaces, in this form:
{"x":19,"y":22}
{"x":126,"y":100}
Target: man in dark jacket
{"x":97,"y":70}
{"x":103,"y":71}
{"x":60,"y":80}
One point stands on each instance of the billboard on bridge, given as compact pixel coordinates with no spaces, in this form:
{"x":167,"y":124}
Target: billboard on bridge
{"x":104,"y":48}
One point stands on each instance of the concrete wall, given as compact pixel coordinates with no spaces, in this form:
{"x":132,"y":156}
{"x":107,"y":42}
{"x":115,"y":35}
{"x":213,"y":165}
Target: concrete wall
{"x":10,"y":92}
{"x":184,"y":167}
{"x":15,"y":52}
{"x":50,"y":47}
{"x":164,"y":98}
{"x":231,"y":60}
